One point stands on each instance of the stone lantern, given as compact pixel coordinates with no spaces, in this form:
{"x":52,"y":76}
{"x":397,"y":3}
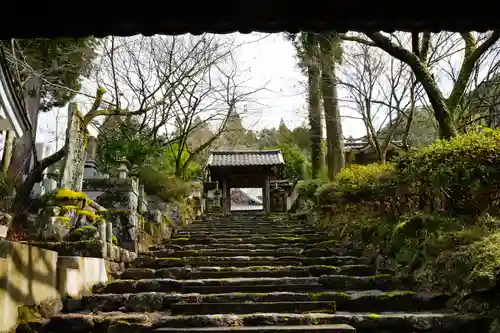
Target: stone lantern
{"x":123,"y":168}
{"x":216,"y":201}
{"x":51,"y":181}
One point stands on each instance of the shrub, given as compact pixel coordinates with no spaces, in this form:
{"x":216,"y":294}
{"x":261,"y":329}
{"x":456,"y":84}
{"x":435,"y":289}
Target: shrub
{"x":355,"y":183}
{"x":433,"y":213}
{"x":164,"y":185}
{"x":461,"y":176}
{"x":307,"y":188}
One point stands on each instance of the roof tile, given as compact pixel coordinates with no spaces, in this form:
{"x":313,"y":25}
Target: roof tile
{"x":245,"y":158}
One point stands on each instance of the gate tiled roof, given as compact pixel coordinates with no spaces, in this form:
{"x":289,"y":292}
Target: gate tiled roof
{"x":222,"y":158}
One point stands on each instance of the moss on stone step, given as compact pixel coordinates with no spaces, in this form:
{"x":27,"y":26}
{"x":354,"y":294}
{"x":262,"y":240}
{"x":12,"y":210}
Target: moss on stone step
{"x":363,"y":322}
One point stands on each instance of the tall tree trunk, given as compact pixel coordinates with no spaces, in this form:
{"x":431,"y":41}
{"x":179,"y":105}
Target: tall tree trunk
{"x":334,"y":137}
{"x":313,"y":74}
{"x":8,"y":146}
{"x":22,"y":156}
{"x":411,"y":114}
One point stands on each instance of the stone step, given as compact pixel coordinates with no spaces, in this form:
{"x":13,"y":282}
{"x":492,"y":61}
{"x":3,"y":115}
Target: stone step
{"x":245,"y":261}
{"x":218,"y":261}
{"x":322,"y":254}
{"x":210,"y":250}
{"x":248,"y":240}
{"x":260,"y":246}
{"x":194,"y":237}
{"x":364,"y":322}
{"x":398,"y":322}
{"x":332,"y":260}
{"x":251,"y":274}
{"x":248,"y":224}
{"x":313,"y":287}
{"x":328,"y":282}
{"x":383,"y":282}
{"x":215,"y":272}
{"x":226,"y":252}
{"x":309,"y":249}
{"x":218,"y":246}
{"x":229,"y":234}
{"x":215,"y":246}
{"x":248,"y":220}
{"x":332,"y":328}
{"x":195,"y":303}
{"x":282,"y":271}
{"x":248,"y":228}
{"x":163,"y":285}
{"x":246,"y":307}
{"x":266,"y":231}
{"x":249,"y":231}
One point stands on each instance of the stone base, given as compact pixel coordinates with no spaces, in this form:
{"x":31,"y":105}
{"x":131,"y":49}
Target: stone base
{"x":31,"y":275}
{"x":77,"y":275}
{"x":91,"y":248}
{"x":27,"y":277}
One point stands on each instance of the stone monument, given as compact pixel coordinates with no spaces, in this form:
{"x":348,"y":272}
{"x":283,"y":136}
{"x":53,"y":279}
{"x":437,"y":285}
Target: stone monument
{"x":77,"y":136}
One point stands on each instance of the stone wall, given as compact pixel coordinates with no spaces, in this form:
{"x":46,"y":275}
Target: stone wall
{"x":120,"y":197}
{"x":31,"y":275}
{"x":138,"y":219}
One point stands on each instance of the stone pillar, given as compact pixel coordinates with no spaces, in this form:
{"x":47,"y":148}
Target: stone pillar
{"x":109,"y":232}
{"x":101,"y":227}
{"x":266,"y":197}
{"x":224,"y":197}
{"x":228,"y":202}
{"x":142,"y":206}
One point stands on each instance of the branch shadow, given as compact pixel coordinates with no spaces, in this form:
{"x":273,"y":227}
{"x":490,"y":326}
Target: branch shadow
{"x":27,"y":273}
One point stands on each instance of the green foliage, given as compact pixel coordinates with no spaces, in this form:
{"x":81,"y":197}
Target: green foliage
{"x":163,"y":184}
{"x":308,"y":188}
{"x":432,"y":214}
{"x":297,"y":166}
{"x":173,"y":155}
{"x":137,"y":144}
{"x":461,"y":176}
{"x":62,"y":62}
{"x":128,"y":141}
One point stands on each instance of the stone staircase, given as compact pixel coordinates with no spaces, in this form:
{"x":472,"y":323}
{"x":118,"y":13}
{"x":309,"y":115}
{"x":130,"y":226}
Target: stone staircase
{"x":256,"y":273}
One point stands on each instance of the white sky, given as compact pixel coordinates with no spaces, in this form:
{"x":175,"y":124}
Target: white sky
{"x":271,"y":60}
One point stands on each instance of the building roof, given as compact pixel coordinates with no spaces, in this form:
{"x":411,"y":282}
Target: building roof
{"x":224,"y":158}
{"x":258,"y":15}
{"x":12,"y":113}
{"x":362,"y":145}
